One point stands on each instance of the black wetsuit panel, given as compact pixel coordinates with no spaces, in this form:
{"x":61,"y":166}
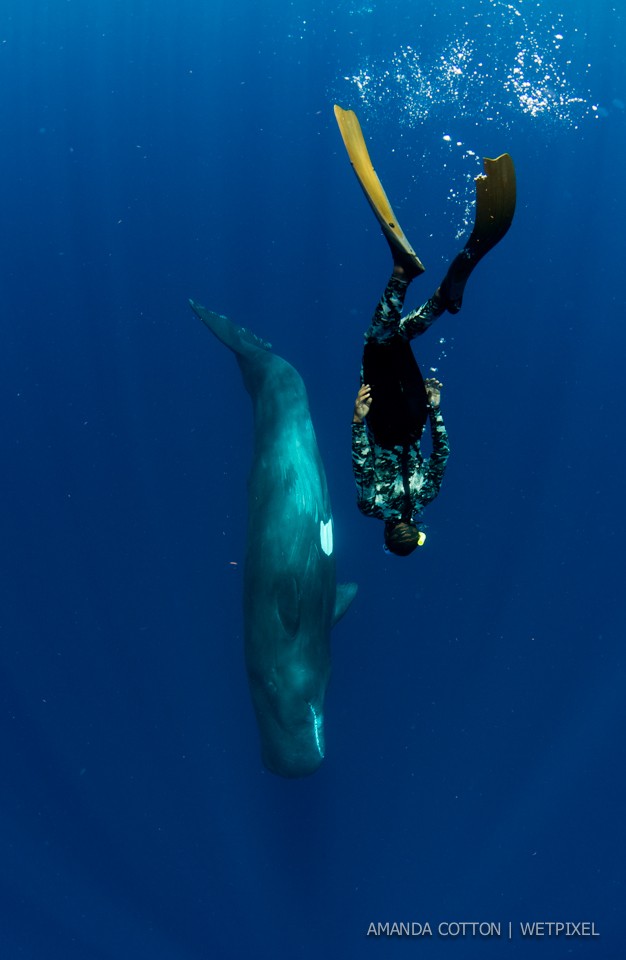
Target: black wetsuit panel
{"x":399,"y":412}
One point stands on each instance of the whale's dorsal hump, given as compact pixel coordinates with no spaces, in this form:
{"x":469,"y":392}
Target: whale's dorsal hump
{"x":346,"y":593}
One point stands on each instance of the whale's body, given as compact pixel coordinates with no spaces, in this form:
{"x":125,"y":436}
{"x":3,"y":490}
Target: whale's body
{"x":291,"y":598}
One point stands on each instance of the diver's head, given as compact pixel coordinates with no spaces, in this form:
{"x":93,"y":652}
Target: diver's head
{"x":402,"y":538}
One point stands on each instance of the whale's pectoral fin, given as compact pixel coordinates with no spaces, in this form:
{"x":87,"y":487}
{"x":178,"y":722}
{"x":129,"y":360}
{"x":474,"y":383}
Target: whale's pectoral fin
{"x":346,"y":593}
{"x":241,"y":341}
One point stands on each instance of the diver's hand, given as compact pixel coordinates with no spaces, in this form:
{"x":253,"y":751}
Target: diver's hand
{"x":433,"y":392}
{"x":362,"y":403}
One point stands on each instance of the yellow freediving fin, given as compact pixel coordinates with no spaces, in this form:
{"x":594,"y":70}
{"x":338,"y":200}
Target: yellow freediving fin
{"x":495,"y":205}
{"x":354,"y":142}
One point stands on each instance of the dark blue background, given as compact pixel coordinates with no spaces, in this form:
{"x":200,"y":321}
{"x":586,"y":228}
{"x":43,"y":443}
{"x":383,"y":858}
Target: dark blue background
{"x":154,"y":151}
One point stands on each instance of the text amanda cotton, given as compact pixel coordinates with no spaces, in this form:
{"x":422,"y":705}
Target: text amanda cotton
{"x":485,"y":928}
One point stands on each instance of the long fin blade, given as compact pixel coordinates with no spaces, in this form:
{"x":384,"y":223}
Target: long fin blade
{"x":354,"y":142}
{"x":496,"y":196}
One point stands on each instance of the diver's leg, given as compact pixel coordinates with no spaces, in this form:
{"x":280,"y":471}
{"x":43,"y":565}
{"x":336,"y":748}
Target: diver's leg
{"x":418,"y":321}
{"x":386,"y":320}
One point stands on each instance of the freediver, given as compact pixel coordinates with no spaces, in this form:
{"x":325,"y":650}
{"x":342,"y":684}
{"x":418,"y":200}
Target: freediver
{"x":394,"y":480}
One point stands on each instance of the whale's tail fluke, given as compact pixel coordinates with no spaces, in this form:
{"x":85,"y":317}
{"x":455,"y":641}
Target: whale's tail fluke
{"x":259,"y":366}
{"x":241,"y":341}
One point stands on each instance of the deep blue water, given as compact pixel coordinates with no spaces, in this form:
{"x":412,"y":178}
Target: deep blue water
{"x":157,"y":151}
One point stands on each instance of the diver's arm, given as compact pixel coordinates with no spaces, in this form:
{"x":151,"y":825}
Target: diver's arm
{"x":363,"y":468}
{"x":436,"y":463}
{"x":362,"y":453}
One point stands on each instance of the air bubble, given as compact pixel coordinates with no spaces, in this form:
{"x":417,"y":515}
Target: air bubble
{"x":515,"y":68}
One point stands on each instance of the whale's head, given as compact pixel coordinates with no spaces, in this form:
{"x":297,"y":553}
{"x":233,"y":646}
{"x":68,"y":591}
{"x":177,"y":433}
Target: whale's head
{"x":291,"y":724}
{"x":288,"y":629}
{"x":288,"y":661}
{"x":291,"y":603}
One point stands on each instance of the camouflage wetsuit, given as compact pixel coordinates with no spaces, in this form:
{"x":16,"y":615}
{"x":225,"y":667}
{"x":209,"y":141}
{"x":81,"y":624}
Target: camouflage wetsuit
{"x":397,"y":482}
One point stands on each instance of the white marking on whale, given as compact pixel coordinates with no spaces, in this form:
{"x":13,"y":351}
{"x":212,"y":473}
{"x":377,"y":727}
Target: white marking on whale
{"x":326,"y":536}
